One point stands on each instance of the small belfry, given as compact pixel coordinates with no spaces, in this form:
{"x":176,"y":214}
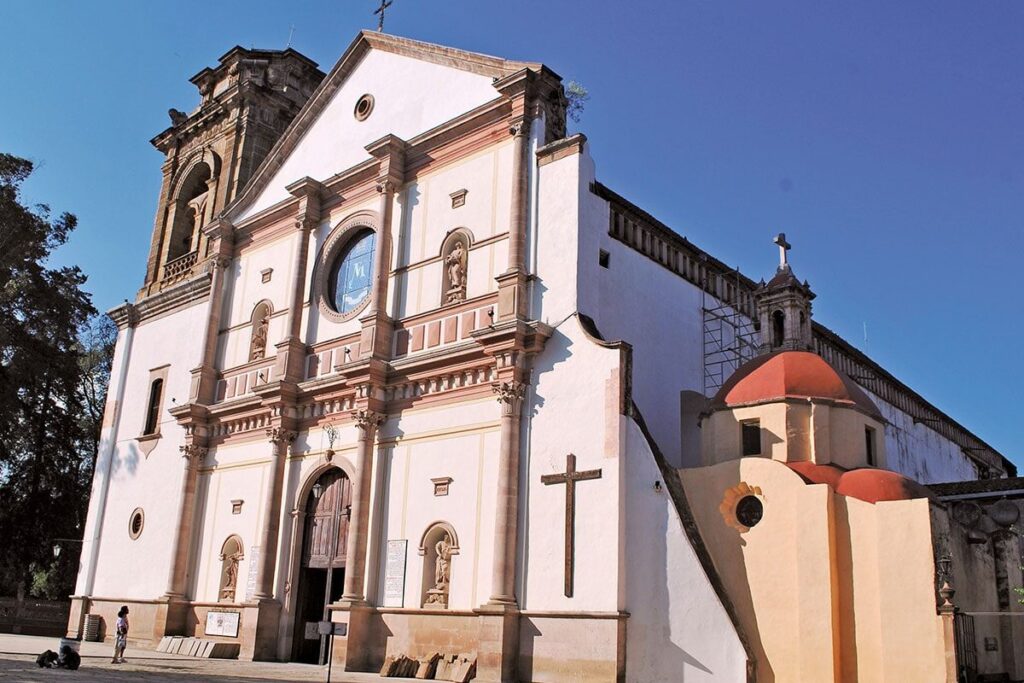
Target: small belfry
{"x":784,"y":307}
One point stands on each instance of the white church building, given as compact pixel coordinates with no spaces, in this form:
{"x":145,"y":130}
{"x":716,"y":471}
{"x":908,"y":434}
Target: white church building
{"x":397,"y":340}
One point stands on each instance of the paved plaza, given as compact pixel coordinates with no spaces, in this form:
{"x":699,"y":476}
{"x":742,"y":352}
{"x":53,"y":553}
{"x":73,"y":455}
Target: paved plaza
{"x":18,"y":655}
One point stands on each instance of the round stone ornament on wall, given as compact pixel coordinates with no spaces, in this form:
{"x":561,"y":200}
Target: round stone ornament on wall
{"x":364,"y":107}
{"x":136,"y":521}
{"x":742,"y":506}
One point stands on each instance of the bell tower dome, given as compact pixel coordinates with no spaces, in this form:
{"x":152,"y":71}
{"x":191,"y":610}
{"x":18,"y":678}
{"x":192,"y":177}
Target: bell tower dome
{"x":784,"y":307}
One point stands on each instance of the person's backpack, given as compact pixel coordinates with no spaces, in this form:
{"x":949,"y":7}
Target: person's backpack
{"x":69,"y":659}
{"x":47,"y":659}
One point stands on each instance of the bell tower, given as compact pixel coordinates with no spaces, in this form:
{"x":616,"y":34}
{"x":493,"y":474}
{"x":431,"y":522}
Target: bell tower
{"x":784,"y":307}
{"x":246,"y":102}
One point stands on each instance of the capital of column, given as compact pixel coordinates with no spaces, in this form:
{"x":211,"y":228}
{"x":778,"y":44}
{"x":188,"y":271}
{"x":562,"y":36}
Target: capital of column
{"x":519,"y":127}
{"x":366,"y":419}
{"x":193,"y":454}
{"x":279,"y":435}
{"x":386,"y":186}
{"x":509,"y":395}
{"x":306,"y":222}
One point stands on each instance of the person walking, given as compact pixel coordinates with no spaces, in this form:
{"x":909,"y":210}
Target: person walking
{"x":121,"y":635}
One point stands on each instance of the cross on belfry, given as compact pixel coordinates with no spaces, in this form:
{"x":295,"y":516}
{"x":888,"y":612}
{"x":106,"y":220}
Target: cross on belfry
{"x":569,"y":478}
{"x":784,"y":247}
{"x":384,"y":4}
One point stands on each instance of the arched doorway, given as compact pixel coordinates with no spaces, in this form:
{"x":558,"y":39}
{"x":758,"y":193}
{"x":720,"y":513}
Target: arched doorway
{"x":324,"y":537}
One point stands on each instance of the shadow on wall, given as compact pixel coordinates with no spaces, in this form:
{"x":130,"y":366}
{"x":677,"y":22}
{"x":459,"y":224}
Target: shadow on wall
{"x":657,"y":632}
{"x":126,"y":458}
{"x":656,"y":516}
{"x":691,"y":405}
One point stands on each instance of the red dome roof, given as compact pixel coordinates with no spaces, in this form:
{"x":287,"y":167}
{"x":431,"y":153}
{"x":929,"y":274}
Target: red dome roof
{"x":791,"y":374}
{"x":867,"y":484}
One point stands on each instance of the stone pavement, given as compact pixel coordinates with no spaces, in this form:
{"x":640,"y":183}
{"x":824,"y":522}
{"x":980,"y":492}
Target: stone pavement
{"x":18,"y":663}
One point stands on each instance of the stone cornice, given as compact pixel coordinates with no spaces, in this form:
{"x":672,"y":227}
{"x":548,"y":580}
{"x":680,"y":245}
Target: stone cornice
{"x":559,"y":149}
{"x":185,"y":293}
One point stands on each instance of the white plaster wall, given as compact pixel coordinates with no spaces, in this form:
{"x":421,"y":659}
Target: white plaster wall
{"x":678,"y":629}
{"x":410,"y":97}
{"x":461,"y":442}
{"x":558,"y":237}
{"x":658,"y":313}
{"x":919,"y":452}
{"x":572,"y":408}
{"x":215,"y":491}
{"x":427,"y":218}
{"x":245,"y":289}
{"x":136,"y":568}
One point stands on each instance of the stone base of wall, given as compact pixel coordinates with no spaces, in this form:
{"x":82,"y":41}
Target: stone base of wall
{"x":152,"y":620}
{"x":508,"y":645}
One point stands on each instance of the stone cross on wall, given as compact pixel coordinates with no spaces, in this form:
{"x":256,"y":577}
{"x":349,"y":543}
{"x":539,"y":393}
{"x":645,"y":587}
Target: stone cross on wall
{"x":784,"y":247}
{"x":569,"y":478}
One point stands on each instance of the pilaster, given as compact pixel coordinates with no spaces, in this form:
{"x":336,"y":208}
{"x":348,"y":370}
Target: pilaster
{"x":377,"y":325}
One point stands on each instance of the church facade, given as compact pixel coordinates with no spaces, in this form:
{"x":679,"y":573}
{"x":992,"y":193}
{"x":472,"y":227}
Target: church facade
{"x":400,"y":362}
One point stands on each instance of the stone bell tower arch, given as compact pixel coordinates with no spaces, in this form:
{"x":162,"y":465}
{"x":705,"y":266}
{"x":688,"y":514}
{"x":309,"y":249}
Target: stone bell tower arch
{"x":246,"y":103}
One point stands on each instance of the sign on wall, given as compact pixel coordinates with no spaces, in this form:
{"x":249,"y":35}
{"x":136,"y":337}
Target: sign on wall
{"x":254,"y":563}
{"x":394,"y":574}
{"x":222,"y":624}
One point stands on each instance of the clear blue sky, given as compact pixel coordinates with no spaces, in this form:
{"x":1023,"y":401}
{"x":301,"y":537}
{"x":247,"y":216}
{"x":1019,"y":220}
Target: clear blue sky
{"x":885,"y":138}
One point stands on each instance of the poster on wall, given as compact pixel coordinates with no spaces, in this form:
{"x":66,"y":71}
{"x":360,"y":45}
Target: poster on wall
{"x":394,"y":574}
{"x":254,"y":563}
{"x":222,"y":624}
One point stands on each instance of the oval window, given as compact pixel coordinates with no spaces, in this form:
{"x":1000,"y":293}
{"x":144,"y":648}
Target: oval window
{"x":352,"y":273}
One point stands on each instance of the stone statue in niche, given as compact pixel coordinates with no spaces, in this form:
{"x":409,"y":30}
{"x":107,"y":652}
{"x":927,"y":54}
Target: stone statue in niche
{"x":258,"y":346}
{"x":455,"y":262}
{"x":438,"y":595}
{"x":227,"y":591}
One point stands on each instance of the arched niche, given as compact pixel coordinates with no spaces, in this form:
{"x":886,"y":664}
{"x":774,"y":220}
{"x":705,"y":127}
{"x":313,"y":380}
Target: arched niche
{"x":438,"y":545}
{"x":231,"y":553}
{"x":455,"y":265}
{"x":260,"y":329}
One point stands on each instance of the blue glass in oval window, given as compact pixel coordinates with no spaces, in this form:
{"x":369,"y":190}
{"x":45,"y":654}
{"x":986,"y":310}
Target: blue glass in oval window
{"x":351,"y":280}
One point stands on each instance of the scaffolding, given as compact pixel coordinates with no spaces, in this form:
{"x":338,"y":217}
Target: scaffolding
{"x":730,"y":335}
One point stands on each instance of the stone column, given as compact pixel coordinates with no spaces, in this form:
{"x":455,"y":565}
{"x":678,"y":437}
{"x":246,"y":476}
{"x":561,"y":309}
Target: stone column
{"x":510,"y":395}
{"x":194,"y":456}
{"x":512,"y":283}
{"x":270,"y":531}
{"x":366,"y":422}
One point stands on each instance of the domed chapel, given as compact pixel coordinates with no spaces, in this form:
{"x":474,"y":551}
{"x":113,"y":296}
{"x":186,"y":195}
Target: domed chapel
{"x":407,"y":388}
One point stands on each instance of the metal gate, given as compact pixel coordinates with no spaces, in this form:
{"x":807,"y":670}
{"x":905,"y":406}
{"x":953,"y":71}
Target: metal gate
{"x":966,"y":648}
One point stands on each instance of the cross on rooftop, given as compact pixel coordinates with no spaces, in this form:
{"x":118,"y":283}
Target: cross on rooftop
{"x":384,"y":4}
{"x":784,"y":247}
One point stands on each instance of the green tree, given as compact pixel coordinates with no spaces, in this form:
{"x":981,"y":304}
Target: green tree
{"x":47,"y":438}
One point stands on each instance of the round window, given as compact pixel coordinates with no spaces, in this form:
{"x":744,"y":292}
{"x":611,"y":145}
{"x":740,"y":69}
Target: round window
{"x":136,"y":522}
{"x":351,"y":274}
{"x":364,"y":106}
{"x":749,"y":511}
